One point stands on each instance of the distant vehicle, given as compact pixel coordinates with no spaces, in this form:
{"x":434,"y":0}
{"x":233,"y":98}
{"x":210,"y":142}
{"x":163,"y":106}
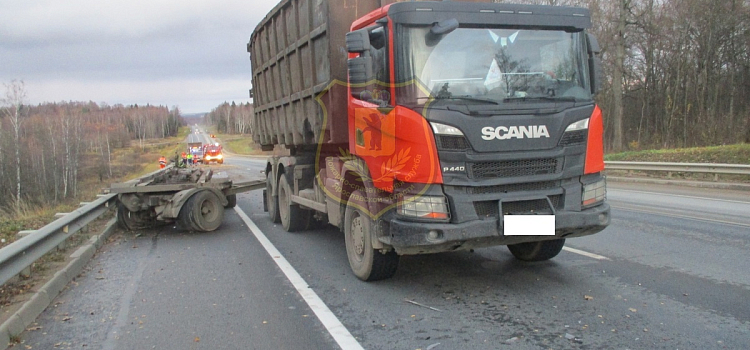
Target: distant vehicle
{"x":212,"y":153}
{"x":212,"y":136}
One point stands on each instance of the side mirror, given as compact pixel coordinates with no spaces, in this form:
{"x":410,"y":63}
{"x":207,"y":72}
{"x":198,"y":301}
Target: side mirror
{"x":358,"y":41}
{"x":595,"y":63}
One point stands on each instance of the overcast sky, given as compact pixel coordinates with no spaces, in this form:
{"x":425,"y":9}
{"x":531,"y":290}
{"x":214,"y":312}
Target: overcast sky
{"x":191,"y":54}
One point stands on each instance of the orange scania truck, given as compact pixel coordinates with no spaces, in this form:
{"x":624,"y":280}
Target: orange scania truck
{"x":423,"y":127}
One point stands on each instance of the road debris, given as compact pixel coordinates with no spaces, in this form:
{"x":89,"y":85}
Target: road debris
{"x":422,"y":305}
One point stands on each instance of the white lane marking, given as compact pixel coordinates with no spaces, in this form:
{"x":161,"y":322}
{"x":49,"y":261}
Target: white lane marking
{"x":678,"y":216}
{"x":324,"y":314}
{"x":683,"y":196}
{"x":581,"y":252}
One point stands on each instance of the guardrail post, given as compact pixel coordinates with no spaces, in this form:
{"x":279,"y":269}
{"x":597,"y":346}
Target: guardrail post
{"x":25,"y":273}
{"x":716,"y":177}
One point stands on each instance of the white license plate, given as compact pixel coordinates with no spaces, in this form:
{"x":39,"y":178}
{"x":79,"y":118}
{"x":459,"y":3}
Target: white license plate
{"x":529,"y":225}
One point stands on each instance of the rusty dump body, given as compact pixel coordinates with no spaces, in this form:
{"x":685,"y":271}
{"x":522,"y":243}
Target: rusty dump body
{"x":296,"y":52}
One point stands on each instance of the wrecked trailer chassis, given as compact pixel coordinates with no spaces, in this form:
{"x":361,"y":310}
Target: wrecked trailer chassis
{"x":193,"y":198}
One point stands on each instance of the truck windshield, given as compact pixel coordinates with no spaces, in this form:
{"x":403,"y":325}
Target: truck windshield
{"x":495,"y":66}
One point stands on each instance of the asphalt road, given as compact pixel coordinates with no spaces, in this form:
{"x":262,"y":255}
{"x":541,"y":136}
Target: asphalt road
{"x":670,"y":272}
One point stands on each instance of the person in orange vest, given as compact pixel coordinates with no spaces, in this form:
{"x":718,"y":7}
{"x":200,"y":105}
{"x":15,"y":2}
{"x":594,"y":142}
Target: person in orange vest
{"x":184,"y":159}
{"x":162,"y":162}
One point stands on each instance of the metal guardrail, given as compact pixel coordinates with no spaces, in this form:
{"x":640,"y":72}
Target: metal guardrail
{"x":19,"y":255}
{"x":22,"y":253}
{"x":707,"y":168}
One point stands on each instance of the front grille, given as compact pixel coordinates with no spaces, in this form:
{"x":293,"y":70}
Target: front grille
{"x":514,"y":168}
{"x":452,"y":143}
{"x":529,"y":186}
{"x":490,"y":209}
{"x":486,"y":209}
{"x":574,"y":138}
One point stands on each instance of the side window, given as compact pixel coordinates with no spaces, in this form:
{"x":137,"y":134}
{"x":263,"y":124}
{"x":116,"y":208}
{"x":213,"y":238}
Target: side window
{"x":379,"y":54}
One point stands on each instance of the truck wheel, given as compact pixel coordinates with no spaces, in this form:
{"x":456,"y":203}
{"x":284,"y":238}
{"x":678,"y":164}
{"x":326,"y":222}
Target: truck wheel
{"x":134,"y":220}
{"x":202,"y":212}
{"x":272,"y":201}
{"x":368,"y":264}
{"x":293,"y":218}
{"x":537,"y":251}
{"x":231,"y":201}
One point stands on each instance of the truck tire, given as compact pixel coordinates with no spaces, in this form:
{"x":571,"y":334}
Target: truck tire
{"x":272,"y":201}
{"x":134,"y":220}
{"x":537,"y":251}
{"x":231,"y":201}
{"x":202,"y":212}
{"x":293,"y":217}
{"x":368,"y":264}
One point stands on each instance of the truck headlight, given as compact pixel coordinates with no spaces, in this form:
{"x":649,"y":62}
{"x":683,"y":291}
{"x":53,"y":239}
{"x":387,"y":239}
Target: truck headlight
{"x":594,"y":193}
{"x":424,"y":207}
{"x":442,"y":129}
{"x":579,"y":125}
{"x":219,"y":157}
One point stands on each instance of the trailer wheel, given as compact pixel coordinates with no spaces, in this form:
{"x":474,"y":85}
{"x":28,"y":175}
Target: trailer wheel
{"x":272,"y":201}
{"x":134,"y":220}
{"x":293,"y":218}
{"x":537,"y":251}
{"x":202,"y":212}
{"x":368,"y":264}
{"x":231,"y":201}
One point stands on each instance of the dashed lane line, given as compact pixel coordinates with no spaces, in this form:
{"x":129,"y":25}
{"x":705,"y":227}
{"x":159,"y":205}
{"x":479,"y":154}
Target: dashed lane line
{"x":581,"y":252}
{"x":337,"y":330}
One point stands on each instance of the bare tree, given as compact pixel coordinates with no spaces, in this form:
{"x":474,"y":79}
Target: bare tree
{"x":15,"y":96}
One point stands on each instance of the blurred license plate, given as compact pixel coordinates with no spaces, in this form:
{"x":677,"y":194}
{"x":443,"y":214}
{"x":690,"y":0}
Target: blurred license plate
{"x":529,"y":225}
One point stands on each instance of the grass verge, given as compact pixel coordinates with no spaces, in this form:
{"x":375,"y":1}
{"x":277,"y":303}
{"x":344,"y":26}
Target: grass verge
{"x":730,"y":154}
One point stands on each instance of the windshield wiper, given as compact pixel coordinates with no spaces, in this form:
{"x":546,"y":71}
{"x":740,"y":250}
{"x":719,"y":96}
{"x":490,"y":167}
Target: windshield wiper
{"x":464,"y":97}
{"x":542,"y":98}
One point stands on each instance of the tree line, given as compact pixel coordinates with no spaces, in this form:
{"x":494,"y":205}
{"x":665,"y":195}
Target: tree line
{"x":231,"y":118}
{"x":677,"y":72}
{"x":44,"y":148}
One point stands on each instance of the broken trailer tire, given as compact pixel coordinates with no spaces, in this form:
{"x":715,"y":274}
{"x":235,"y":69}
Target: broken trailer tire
{"x":293,"y":217}
{"x":202,"y":212}
{"x":537,"y":251}
{"x":231,"y":201}
{"x":134,"y":220}
{"x":368,"y":264}
{"x":272,"y":201}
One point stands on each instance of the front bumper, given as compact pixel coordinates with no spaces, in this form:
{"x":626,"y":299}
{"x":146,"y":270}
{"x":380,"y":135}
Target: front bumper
{"x":408,"y":237}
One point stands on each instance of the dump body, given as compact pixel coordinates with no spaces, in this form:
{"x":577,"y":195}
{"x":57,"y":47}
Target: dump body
{"x":296,"y":52}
